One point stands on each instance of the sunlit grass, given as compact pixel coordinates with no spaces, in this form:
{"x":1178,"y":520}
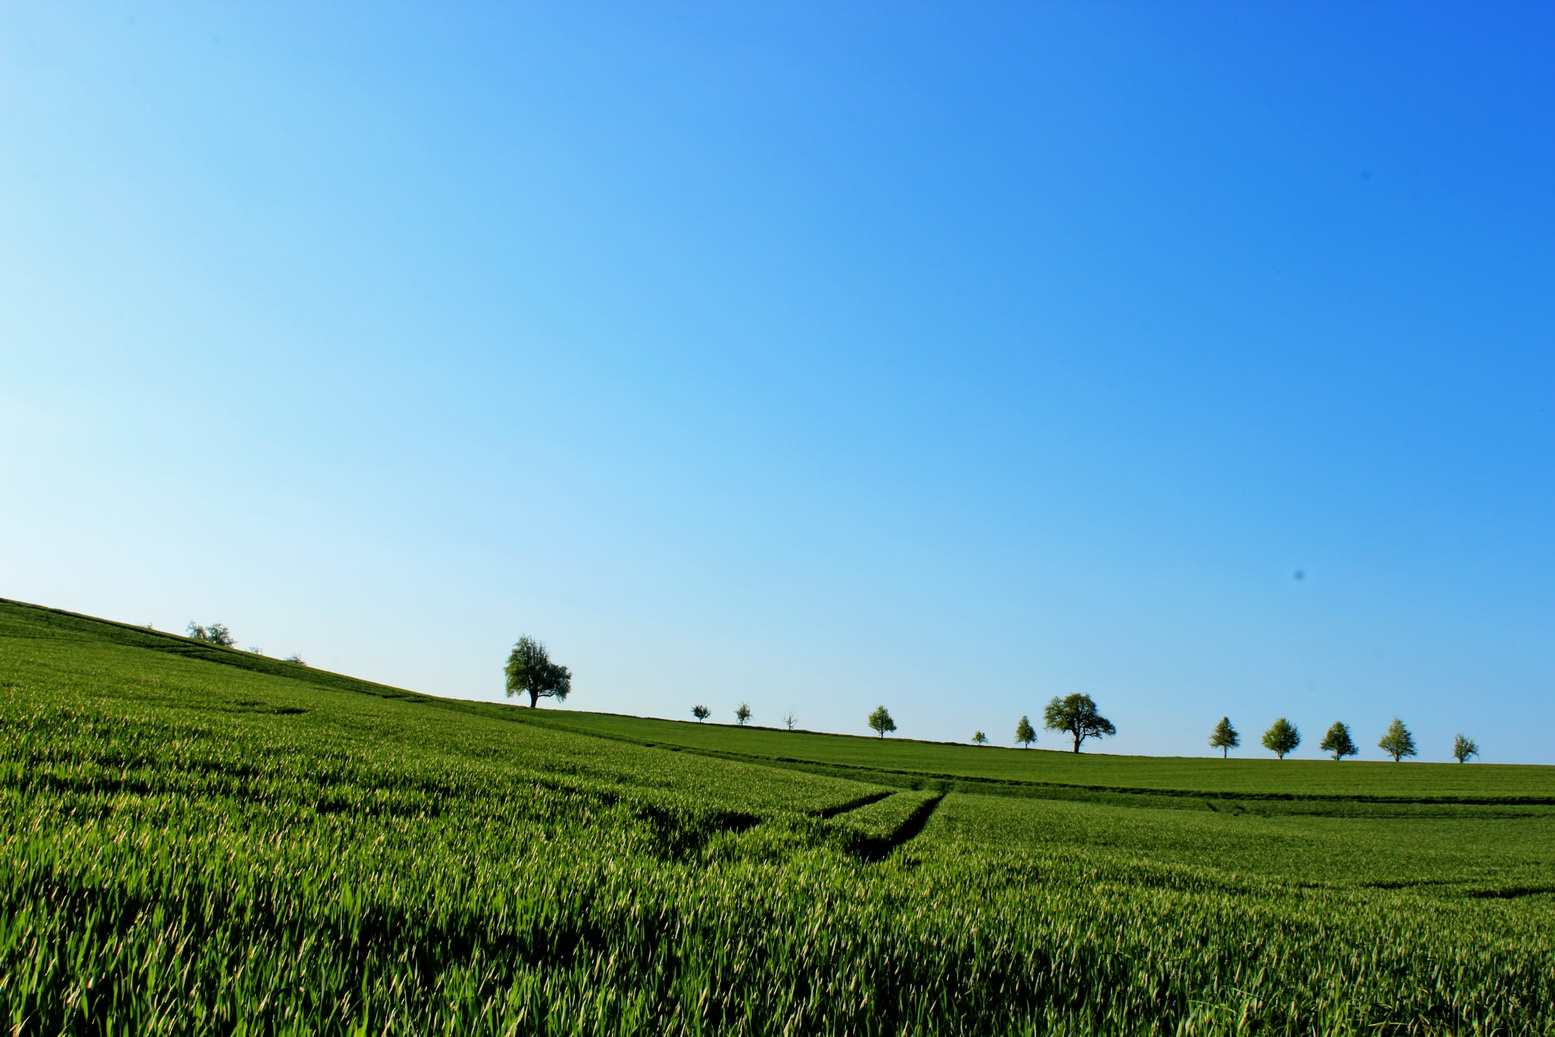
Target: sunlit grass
{"x":196,"y":844}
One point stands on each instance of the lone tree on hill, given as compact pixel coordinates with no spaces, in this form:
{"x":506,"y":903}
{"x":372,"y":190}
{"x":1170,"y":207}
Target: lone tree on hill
{"x":1463,"y":748}
{"x":701,"y":713}
{"x":215,"y":634}
{"x":1224,"y":737}
{"x":881,"y":720}
{"x":743,"y":713}
{"x":1338,"y":742}
{"x":978,"y":738}
{"x":530,"y":670}
{"x":1396,"y":741}
{"x":1281,"y":738}
{"x":1025,"y":734}
{"x":789,"y":720}
{"x":1077,"y":715}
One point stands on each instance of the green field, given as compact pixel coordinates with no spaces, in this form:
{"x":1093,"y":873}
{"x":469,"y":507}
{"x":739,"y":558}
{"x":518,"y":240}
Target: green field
{"x":1263,"y":778}
{"x":198,"y":839}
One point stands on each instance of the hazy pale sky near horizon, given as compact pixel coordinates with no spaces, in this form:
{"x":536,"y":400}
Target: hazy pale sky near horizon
{"x":1197,"y":357}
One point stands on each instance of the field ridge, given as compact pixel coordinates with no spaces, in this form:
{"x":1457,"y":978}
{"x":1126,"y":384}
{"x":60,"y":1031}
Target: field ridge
{"x":1037,"y":788}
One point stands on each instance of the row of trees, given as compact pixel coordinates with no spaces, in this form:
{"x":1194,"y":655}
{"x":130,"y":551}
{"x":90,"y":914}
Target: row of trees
{"x":531,"y":671}
{"x":218,"y":634}
{"x":215,"y":634}
{"x":880,"y":720}
{"x":1074,"y":715}
{"x":1283,"y":737}
{"x":1077,"y":716}
{"x":742,"y":714}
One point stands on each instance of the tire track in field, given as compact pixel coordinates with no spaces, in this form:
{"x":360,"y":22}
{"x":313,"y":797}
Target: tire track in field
{"x":908,"y":830}
{"x":873,"y":849}
{"x":854,"y":804}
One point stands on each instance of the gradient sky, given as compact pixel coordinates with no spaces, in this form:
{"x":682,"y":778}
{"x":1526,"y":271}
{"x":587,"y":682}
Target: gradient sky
{"x":1200,"y":358}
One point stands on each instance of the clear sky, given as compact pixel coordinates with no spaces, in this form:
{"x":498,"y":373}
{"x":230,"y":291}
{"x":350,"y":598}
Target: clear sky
{"x":1199,"y":358}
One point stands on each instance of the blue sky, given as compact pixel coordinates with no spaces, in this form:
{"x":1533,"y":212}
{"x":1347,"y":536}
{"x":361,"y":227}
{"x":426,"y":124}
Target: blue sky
{"x":1195,"y":357}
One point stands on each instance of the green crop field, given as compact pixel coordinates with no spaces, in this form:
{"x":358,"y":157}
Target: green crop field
{"x":1264,"y":778}
{"x":202,"y":840}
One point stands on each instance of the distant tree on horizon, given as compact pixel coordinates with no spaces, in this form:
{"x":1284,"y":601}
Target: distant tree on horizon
{"x":701,"y":712}
{"x":790,"y":720}
{"x":743,"y":713}
{"x":881,"y":721}
{"x":1338,"y":742}
{"x":1077,"y":715}
{"x":1396,"y":741}
{"x":1025,"y":734}
{"x":215,"y":634}
{"x":1224,"y":737}
{"x":1463,"y":748}
{"x":530,"y":671}
{"x":978,"y":738}
{"x":1282,"y":737}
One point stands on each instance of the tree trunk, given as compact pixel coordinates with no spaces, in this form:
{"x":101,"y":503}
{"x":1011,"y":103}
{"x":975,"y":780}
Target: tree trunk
{"x":534,"y":700}
{"x":1077,"y":741}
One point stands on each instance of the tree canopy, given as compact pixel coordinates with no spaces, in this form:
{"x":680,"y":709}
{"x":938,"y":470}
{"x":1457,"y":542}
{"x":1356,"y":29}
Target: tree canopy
{"x":1338,"y":742}
{"x":215,"y":634}
{"x":1025,"y":734}
{"x":1282,"y":737}
{"x":1224,"y":737}
{"x":1077,"y":715}
{"x":1463,"y":747}
{"x":1396,"y":741}
{"x":743,"y":713}
{"x":530,"y":671}
{"x":978,"y":738}
{"x":701,"y":712}
{"x":881,"y":721}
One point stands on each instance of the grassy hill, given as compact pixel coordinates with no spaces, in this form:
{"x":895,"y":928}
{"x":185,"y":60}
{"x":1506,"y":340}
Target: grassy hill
{"x":203,"y":839}
{"x":1050,"y":773}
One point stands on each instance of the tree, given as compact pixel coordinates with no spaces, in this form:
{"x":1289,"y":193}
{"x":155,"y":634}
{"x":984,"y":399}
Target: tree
{"x":215,"y":634}
{"x":530,"y":670}
{"x":1077,"y":715}
{"x":743,"y":713}
{"x":1024,"y":734}
{"x":1463,"y":748}
{"x":978,"y":738}
{"x":1338,"y":742}
{"x":789,"y":720}
{"x":701,"y":712}
{"x":1281,"y":738}
{"x":295,"y":658}
{"x":1224,"y":737}
{"x":881,"y":721}
{"x":1396,"y":741}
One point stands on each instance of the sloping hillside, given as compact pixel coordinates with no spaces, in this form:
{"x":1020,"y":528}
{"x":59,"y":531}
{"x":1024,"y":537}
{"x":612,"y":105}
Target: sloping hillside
{"x":200,"y":839}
